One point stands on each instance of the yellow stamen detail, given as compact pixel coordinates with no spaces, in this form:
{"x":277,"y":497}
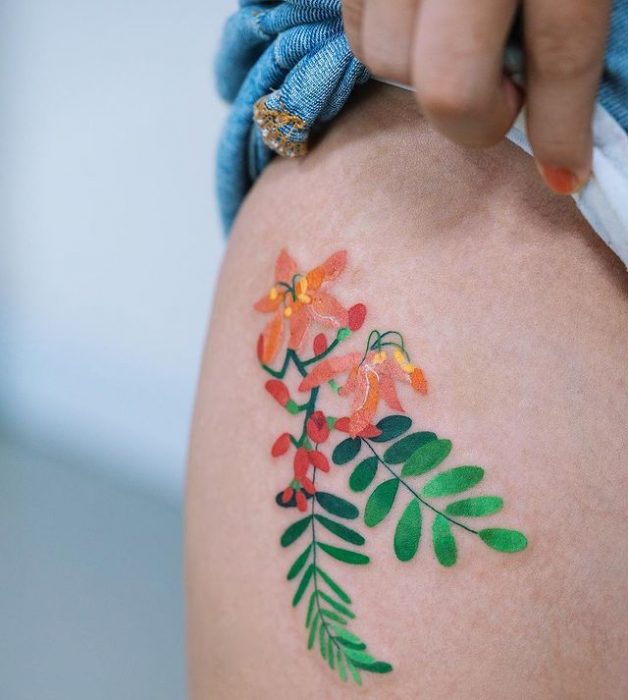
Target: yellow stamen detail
{"x":304,"y":298}
{"x":408,"y":367}
{"x":273,"y":294}
{"x":399,"y":356}
{"x":301,"y":286}
{"x":379,"y":357}
{"x":287,"y":312}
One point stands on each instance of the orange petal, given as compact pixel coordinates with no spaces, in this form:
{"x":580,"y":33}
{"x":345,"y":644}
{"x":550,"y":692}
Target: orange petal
{"x":389,"y":392}
{"x":364,"y":415}
{"x":273,"y":335}
{"x":328,"y":311}
{"x":285,"y":267}
{"x":315,"y":278}
{"x":299,"y":323}
{"x":266,"y":304}
{"x":334,"y":265}
{"x":419,"y":383}
{"x":328,"y":369}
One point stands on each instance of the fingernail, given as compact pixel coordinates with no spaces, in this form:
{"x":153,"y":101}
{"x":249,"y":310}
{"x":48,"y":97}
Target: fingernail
{"x":561,"y":180}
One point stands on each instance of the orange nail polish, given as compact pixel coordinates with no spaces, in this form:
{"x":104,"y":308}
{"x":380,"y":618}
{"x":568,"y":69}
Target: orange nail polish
{"x":560,"y":180}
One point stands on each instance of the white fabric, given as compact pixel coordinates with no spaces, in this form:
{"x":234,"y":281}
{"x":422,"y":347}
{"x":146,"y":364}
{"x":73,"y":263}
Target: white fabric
{"x":603,"y":201}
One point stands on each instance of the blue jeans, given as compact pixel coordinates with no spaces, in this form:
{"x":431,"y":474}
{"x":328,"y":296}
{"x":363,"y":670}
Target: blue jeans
{"x":287,"y":68}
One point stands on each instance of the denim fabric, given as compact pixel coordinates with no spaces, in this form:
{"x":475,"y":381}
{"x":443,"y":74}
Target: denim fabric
{"x":286,"y":67}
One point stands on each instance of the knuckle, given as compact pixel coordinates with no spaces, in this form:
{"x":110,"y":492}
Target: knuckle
{"x":557,"y":55}
{"x":448,"y":100}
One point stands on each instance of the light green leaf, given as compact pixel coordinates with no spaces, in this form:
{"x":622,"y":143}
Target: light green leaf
{"x":504,"y":540}
{"x":342,"y":669}
{"x":426,"y":457}
{"x":342,"y":531}
{"x":295,"y":531}
{"x":310,"y":609}
{"x":402,"y":449}
{"x":444,"y":542}
{"x":348,"y":639}
{"x":363,"y":474}
{"x":313,"y":629}
{"x":380,"y":502}
{"x":453,"y":481}
{"x":335,"y":604}
{"x":344,"y":555}
{"x":408,"y":531}
{"x":475,"y":507}
{"x":322,"y":638}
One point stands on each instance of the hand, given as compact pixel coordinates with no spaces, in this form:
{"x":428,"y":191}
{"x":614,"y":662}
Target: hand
{"x":451,"y":51}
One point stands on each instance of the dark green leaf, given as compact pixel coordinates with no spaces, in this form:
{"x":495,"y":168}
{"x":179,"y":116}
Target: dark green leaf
{"x":365,"y":661}
{"x":444,"y":542}
{"x":299,"y":563}
{"x":336,"y":505}
{"x":342,"y":531}
{"x":363,"y":474}
{"x":380,"y":502}
{"x":313,"y":628}
{"x":392,"y":427}
{"x":504,"y":540}
{"x":346,"y":450}
{"x":302,"y":585}
{"x":408,"y":531}
{"x":331,"y":615}
{"x":295,"y":531}
{"x":345,"y":555}
{"x":348,"y":639}
{"x":402,"y":449}
{"x":453,"y":481}
{"x":475,"y":507}
{"x":310,"y":609}
{"x":334,"y":586}
{"x":426,"y":457}
{"x":335,"y":604}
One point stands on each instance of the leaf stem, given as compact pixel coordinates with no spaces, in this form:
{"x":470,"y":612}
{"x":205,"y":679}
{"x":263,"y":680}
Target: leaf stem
{"x":414,"y":493}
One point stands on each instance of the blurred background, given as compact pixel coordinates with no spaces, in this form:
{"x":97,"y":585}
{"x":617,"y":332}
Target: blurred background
{"x":109,"y":249}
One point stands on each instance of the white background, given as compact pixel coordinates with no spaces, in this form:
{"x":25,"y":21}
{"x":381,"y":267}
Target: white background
{"x":109,"y":248}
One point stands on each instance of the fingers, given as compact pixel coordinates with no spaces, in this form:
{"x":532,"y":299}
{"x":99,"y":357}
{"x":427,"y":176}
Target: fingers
{"x":380,"y":34}
{"x":457,"y":68}
{"x":565,"y":42}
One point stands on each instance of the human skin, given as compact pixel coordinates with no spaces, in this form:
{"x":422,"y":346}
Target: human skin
{"x":518,"y":315}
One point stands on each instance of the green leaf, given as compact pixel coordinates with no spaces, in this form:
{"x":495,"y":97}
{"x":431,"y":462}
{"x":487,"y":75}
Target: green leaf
{"x":453,"y":481}
{"x":346,"y":450}
{"x":348,"y":639}
{"x":355,"y":674}
{"x":475,"y":507}
{"x":334,"y":586}
{"x":299,"y":563}
{"x":322,"y":638}
{"x":330,"y":653}
{"x":342,"y":669}
{"x":336,"y":605}
{"x":365,"y":661}
{"x":392,"y":427}
{"x":444,"y":542}
{"x":295,"y":531}
{"x":331,"y":615}
{"x":380,"y":502}
{"x":345,"y":555}
{"x":402,"y":449}
{"x":313,"y":628}
{"x":310,"y":608}
{"x":303,"y":585}
{"x":363,"y":474}
{"x":336,"y":505}
{"x":504,"y":540}
{"x":426,"y":457}
{"x":342,"y":531}
{"x":408,"y":531}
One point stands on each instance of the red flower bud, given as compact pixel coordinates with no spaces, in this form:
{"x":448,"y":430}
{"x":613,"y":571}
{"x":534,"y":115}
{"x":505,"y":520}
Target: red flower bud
{"x":370,"y":431}
{"x":278,"y":390}
{"x":317,"y":428}
{"x":301,"y":462}
{"x":357,"y":314}
{"x":281,"y":445}
{"x":301,"y":501}
{"x":319,"y":460}
{"x":287,"y":494}
{"x":307,"y":485}
{"x":320,"y":344}
{"x":260,"y":347}
{"x":343,"y":424}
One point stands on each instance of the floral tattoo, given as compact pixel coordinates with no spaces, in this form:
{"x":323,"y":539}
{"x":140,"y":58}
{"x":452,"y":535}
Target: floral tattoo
{"x":301,"y":307}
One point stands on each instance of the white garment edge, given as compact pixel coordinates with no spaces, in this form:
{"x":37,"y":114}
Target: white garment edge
{"x":603,"y":201}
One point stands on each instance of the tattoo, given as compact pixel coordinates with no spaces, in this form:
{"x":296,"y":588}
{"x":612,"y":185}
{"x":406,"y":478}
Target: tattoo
{"x":301,"y":304}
